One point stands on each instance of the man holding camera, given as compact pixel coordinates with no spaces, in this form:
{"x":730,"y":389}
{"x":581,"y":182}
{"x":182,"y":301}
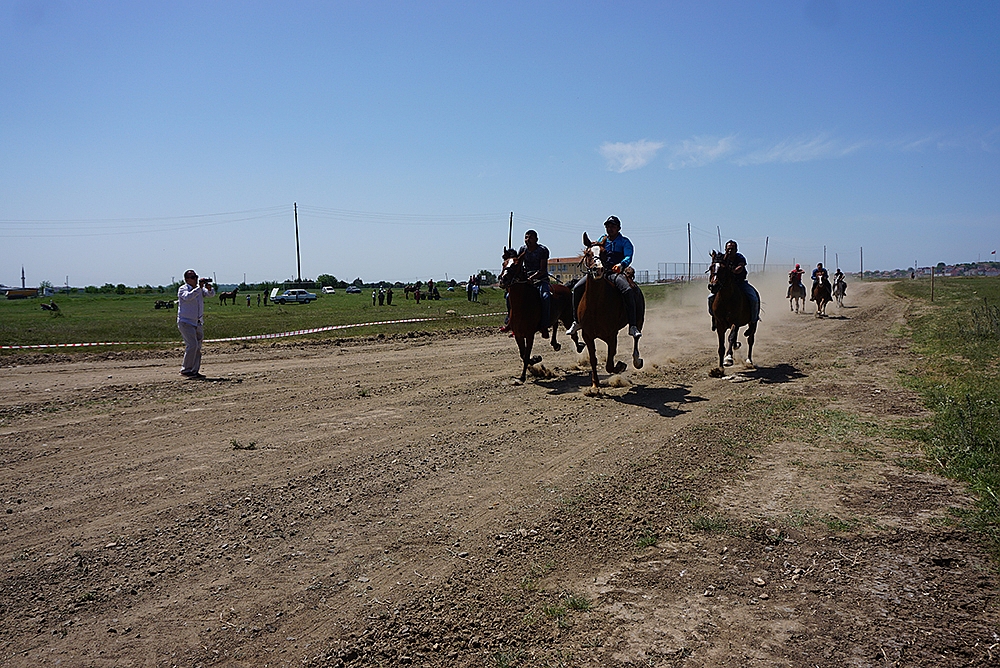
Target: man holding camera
{"x":191,"y":320}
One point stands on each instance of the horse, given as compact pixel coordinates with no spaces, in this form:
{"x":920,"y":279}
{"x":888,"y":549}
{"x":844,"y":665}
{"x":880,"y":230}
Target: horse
{"x":601,"y":313}
{"x":731,"y":309}
{"x":561,"y":308}
{"x":525,"y":308}
{"x":839,"y":290}
{"x":796,"y":294}
{"x":821,"y":295}
{"x":223,"y":296}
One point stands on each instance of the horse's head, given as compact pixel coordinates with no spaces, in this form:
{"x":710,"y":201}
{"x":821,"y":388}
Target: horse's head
{"x":591,"y":262}
{"x":513,"y":268}
{"x":718,"y":272}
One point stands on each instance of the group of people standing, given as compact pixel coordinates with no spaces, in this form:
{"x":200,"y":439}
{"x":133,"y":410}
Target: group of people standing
{"x":383,"y":295}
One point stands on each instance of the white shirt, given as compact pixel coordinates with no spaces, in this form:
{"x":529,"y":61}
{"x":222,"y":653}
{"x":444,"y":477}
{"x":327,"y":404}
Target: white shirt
{"x":191,"y":303}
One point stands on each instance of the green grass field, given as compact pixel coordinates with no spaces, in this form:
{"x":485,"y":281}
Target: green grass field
{"x":89,"y":318}
{"x":959,"y":336}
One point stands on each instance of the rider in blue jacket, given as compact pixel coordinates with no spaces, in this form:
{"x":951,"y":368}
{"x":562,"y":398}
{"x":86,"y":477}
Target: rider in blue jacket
{"x":616,"y":253}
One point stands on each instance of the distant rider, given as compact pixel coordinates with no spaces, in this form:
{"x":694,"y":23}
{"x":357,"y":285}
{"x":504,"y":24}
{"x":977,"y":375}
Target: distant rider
{"x":838,"y":277}
{"x":795,"y":279}
{"x":616,"y":252}
{"x":737,"y":265}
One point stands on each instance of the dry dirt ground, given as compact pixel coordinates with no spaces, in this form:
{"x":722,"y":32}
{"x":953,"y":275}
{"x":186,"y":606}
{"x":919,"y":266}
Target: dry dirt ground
{"x":399,"y":501}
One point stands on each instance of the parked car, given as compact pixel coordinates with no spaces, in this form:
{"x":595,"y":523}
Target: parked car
{"x":353,"y":290}
{"x":328,"y":290}
{"x":293,"y":296}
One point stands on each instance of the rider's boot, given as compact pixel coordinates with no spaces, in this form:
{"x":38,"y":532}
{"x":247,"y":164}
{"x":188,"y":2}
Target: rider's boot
{"x":633,"y":331}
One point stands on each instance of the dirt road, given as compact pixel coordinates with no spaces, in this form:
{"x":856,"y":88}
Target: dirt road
{"x":400,"y":501}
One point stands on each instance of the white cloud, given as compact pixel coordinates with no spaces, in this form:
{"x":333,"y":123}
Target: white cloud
{"x":820,"y":147}
{"x":624,"y":157}
{"x":699,"y":151}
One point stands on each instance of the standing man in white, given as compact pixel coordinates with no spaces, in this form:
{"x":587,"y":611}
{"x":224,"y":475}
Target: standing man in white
{"x":191,"y":320}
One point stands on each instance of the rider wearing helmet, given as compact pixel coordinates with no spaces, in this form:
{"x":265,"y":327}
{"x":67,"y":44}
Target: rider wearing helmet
{"x":616,"y":252}
{"x":820,"y":274}
{"x":738,"y":267}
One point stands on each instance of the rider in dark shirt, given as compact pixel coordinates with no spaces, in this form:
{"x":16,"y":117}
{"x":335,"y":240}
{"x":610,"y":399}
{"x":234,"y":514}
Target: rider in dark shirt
{"x":819,"y":273}
{"x":738,"y":267}
{"x":536,"y":266}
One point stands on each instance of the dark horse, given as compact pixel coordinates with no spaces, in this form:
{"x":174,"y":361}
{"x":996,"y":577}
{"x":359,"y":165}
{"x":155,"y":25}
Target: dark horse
{"x":223,"y":296}
{"x":601,"y":313}
{"x":839,"y":290}
{"x":821,"y":295}
{"x":732,"y":310}
{"x":525,"y":308}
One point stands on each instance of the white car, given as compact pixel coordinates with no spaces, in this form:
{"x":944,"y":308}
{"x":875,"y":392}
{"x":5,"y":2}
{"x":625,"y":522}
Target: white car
{"x":328,"y":290}
{"x":294,"y":296}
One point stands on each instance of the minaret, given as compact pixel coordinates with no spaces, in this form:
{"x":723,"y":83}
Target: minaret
{"x":22,"y":277}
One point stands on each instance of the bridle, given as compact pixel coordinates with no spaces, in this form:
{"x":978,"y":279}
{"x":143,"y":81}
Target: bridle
{"x":591,"y":263}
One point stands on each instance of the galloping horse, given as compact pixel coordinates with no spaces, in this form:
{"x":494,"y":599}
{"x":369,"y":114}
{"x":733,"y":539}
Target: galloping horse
{"x":821,"y":295}
{"x":525,"y":308}
{"x":223,"y":296}
{"x":839,"y":290}
{"x":601,"y":313}
{"x":796,"y":294}
{"x":732,"y":310}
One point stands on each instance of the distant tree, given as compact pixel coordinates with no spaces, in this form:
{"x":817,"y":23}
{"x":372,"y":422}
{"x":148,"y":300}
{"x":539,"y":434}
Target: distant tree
{"x":326,"y":279}
{"x":358,"y":282}
{"x":452,"y":283}
{"x":91,"y":289}
{"x":486,"y":277}
{"x":45,"y":284}
{"x":107,"y":288}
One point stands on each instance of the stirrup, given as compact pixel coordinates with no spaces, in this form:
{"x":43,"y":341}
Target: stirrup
{"x":634,"y":332}
{"x":573,"y":329}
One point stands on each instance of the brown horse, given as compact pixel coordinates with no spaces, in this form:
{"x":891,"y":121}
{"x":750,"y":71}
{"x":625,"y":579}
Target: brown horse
{"x":731,"y":309}
{"x":821,"y":295}
{"x":601,"y":314}
{"x":796,"y":294}
{"x":223,"y":296}
{"x":525,"y":308}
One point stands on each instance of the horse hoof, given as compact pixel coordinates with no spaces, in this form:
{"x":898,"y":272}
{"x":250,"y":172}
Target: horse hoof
{"x":637,"y":362}
{"x":736,"y":346}
{"x":728,"y":361}
{"x":620,"y":367}
{"x":580,"y":347}
{"x":535,"y":360}
{"x":717,"y":372}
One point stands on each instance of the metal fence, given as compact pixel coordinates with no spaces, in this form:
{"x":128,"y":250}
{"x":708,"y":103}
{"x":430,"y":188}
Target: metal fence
{"x":678,"y":271}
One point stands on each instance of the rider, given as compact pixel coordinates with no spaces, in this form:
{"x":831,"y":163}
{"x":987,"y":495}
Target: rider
{"x":616,"y":252}
{"x":738,"y":267}
{"x":794,"y":279}
{"x":820,"y":274}
{"x":839,"y":277}
{"x":536,"y":266}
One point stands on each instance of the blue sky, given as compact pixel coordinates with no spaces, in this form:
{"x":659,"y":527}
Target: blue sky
{"x":138,"y":139}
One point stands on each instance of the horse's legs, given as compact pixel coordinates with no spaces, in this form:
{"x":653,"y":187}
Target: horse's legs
{"x":733,"y":333}
{"x":751,"y":330}
{"x":636,"y":360}
{"x":592,"y":351}
{"x":722,"y":346}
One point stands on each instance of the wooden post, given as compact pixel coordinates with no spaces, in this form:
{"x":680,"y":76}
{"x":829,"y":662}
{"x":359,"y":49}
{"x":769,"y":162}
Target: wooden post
{"x":862,"y":264}
{"x":932,"y":282}
{"x":510,"y":231}
{"x":298,"y":258}
{"x":763,"y":268}
{"x":689,"y":252}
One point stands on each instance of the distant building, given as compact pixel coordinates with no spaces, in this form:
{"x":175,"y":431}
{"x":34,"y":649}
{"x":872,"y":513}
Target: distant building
{"x":565,"y":269}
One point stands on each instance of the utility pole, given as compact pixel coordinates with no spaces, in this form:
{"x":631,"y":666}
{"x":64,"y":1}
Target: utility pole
{"x":510,"y":232}
{"x":719,"y":230}
{"x":763,"y":268}
{"x":824,"y":255}
{"x":298,"y":258}
{"x":689,"y":252}
{"x":862,"y":277}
